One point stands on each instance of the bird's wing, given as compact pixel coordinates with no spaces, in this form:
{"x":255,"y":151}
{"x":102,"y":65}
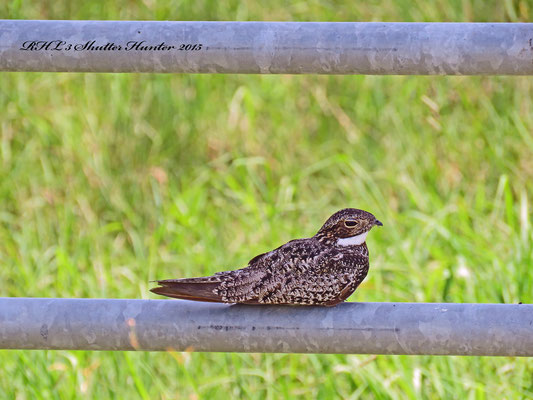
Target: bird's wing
{"x":328,"y":277}
{"x":223,"y":287}
{"x":244,"y":285}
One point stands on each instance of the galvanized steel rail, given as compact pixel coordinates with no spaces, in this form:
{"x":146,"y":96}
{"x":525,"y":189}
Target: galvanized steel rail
{"x":267,"y":47}
{"x":355,"y":328}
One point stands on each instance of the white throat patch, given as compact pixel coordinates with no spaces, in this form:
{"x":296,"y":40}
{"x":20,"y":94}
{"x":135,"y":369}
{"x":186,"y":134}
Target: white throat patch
{"x":352,"y":241}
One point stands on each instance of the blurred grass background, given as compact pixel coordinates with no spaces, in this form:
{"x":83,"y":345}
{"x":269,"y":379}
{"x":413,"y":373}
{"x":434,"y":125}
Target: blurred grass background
{"x":108,"y":181}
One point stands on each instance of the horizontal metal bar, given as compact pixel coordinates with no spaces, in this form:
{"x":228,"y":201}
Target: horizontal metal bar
{"x":357,"y":328}
{"x":267,"y":47}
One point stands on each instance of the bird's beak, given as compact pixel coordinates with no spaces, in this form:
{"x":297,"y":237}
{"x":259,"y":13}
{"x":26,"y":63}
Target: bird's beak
{"x":378,"y":223}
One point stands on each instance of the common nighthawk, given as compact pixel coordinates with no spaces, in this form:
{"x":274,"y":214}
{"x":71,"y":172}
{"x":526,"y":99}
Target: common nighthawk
{"x":322,"y":270}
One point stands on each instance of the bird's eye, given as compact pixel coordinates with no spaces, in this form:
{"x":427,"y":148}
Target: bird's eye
{"x":350,"y":223}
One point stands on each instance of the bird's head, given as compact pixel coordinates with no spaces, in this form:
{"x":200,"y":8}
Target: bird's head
{"x":347,"y":227}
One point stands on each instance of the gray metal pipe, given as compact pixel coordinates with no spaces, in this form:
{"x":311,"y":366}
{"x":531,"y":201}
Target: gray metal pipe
{"x":267,"y":47}
{"x":355,"y":328}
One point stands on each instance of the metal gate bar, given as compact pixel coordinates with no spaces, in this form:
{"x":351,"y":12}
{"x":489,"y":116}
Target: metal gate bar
{"x":268,"y":47}
{"x":355,"y":328}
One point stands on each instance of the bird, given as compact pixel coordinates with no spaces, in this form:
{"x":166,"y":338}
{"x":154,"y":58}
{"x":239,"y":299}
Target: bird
{"x":322,"y":270}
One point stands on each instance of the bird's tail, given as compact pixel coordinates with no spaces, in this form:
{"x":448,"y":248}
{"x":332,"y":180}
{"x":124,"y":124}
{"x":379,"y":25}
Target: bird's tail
{"x":197,"y":289}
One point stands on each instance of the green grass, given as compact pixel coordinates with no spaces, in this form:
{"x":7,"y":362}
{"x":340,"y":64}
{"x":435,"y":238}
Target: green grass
{"x":108,"y":181}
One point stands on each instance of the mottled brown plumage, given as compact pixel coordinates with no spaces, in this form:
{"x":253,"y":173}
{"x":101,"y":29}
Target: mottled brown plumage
{"x":322,"y":270}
